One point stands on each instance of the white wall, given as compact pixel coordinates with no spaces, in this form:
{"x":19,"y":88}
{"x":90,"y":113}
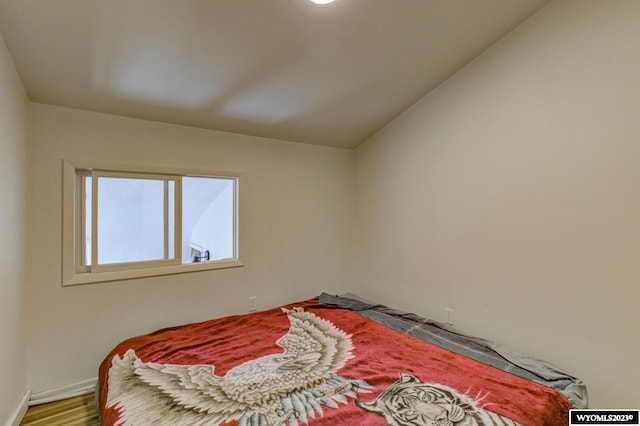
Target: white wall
{"x":298,"y":211}
{"x":14,"y":173}
{"x":511,"y":193}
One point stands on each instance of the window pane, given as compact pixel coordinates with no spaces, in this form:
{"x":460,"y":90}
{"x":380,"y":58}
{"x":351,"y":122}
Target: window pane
{"x":87,"y":220}
{"x":208,"y":218}
{"x":131,"y":221}
{"x":171,"y":210}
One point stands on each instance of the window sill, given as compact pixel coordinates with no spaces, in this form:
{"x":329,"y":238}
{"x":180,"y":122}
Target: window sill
{"x":90,"y":278}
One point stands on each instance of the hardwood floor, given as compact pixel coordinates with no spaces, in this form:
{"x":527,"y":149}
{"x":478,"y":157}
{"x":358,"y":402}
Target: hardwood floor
{"x":78,"y":411}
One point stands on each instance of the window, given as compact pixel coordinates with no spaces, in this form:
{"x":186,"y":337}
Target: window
{"x":121,"y":224}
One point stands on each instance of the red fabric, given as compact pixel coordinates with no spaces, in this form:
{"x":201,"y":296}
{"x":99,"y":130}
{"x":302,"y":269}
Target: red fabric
{"x":380,"y":354}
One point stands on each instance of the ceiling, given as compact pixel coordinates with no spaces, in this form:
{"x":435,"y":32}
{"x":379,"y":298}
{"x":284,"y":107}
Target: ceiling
{"x":287,"y":69}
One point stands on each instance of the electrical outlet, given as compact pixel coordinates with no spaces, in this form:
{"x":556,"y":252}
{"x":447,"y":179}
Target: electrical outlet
{"x":450,"y":316}
{"x":252,"y":304}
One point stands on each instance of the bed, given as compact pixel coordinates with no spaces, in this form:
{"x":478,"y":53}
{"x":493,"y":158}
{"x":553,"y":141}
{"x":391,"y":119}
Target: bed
{"x":331,"y":360}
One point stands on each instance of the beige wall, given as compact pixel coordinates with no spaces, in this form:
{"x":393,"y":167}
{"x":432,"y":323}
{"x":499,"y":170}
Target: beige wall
{"x":14,"y":172}
{"x":297,"y":209}
{"x":511,"y":193}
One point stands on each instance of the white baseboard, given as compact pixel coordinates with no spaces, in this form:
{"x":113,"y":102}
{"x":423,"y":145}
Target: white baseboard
{"x":20,"y":410}
{"x":64,"y":392}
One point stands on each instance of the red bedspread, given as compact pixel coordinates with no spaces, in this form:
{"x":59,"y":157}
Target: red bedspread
{"x":314,"y":365}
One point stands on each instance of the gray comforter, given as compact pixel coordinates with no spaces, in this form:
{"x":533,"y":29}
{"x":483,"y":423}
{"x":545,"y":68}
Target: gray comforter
{"x":482,"y":350}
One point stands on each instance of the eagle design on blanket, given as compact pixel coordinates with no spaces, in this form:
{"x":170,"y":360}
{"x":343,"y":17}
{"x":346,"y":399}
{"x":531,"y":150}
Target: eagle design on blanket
{"x":279,"y":389}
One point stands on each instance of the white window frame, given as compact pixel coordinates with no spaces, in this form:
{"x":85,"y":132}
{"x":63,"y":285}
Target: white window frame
{"x":75,"y":272}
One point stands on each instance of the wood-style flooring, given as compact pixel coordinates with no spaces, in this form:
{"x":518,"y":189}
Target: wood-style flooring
{"x":78,"y":411}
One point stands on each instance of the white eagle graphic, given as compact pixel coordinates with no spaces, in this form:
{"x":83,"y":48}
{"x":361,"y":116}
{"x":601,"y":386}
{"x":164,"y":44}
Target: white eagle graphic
{"x":281,"y":389}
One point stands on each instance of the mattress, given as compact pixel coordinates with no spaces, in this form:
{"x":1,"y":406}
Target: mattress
{"x":326,"y":361}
